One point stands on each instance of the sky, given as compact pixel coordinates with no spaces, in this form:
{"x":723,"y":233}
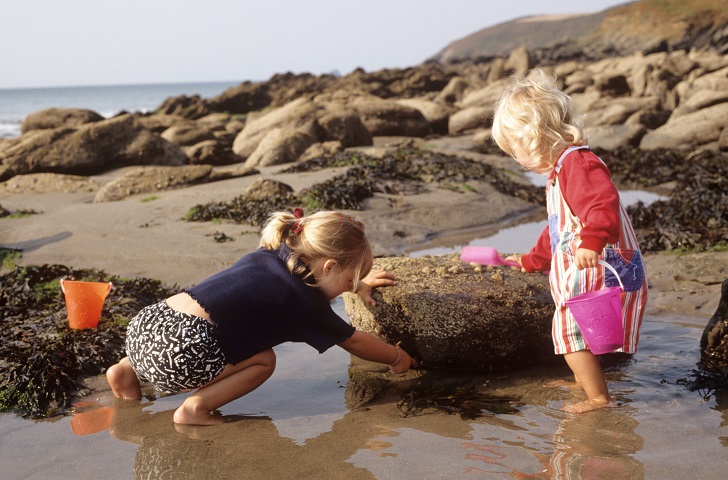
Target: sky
{"x":105,"y":42}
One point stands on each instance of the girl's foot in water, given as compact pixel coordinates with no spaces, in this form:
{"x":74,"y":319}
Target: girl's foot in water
{"x":589,"y":405}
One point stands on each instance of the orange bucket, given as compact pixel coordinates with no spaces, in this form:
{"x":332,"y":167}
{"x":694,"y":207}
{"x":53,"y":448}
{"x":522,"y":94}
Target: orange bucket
{"x":84,"y":301}
{"x":91,"y":420}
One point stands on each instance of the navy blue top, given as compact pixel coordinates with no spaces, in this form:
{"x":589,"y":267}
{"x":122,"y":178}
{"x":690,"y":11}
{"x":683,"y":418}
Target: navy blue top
{"x":257,"y":303}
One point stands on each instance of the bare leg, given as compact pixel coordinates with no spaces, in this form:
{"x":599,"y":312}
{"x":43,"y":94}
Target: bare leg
{"x":588,"y":373}
{"x":232,"y":383}
{"x":123,"y":381}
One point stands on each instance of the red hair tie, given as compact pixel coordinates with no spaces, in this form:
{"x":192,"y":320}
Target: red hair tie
{"x":296,"y":227}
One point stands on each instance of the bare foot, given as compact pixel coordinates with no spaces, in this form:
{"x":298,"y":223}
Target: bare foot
{"x":191,"y":413}
{"x":571,"y":385}
{"x":589,"y":405}
{"x":123,"y":381}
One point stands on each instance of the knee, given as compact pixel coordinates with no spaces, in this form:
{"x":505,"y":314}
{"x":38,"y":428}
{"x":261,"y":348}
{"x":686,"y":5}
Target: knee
{"x":268,"y":361}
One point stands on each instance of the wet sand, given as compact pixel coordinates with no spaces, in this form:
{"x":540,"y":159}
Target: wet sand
{"x":297,"y":425}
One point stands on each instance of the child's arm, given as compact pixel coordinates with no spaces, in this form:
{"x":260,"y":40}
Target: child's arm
{"x":376,"y":278}
{"x":539,"y":258}
{"x":367,"y":346}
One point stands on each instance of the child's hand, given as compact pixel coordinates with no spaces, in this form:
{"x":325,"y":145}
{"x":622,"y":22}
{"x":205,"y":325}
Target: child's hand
{"x":517,"y":259}
{"x":376,"y":278}
{"x":585,"y":258}
{"x":404,"y":362}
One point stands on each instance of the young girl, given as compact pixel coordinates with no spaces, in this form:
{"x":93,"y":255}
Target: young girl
{"x":218,"y":336}
{"x":534,"y":124}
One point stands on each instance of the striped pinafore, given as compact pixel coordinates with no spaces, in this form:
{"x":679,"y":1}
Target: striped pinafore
{"x":624,"y":256}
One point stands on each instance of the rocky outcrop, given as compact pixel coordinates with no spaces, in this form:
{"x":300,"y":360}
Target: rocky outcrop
{"x":88,"y":149}
{"x":57,"y":118}
{"x":465,"y":316}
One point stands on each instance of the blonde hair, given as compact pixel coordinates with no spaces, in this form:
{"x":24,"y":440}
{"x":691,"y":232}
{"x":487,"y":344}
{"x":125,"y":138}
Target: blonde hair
{"x":322,"y":235}
{"x":536,"y":116}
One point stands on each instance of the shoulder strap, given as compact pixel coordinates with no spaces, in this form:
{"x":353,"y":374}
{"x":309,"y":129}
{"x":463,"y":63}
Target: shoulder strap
{"x":557,"y":168}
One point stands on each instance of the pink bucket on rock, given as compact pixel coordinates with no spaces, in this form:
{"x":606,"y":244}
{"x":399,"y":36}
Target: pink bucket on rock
{"x":484,"y":256}
{"x":599,"y":315}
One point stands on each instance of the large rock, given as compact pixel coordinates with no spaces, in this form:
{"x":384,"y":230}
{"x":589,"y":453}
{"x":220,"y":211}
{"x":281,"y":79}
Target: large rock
{"x":49,"y":182}
{"x":470,"y":118}
{"x":389,"y":118}
{"x":610,"y":137}
{"x":152,"y":179}
{"x":187,"y":135}
{"x":456,"y":315}
{"x":688,"y":131}
{"x":86,"y":150}
{"x":57,"y":118}
{"x":296,"y":115}
{"x":437,"y":114}
{"x":211,"y":152}
{"x":280,"y":146}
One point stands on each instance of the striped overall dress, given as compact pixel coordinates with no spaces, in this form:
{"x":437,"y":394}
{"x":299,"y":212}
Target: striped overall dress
{"x":624,"y":256}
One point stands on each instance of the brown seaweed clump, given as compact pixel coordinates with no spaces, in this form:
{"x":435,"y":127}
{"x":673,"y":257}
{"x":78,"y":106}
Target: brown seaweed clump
{"x":695,"y":216}
{"x":407,"y":172}
{"x":43,"y":363}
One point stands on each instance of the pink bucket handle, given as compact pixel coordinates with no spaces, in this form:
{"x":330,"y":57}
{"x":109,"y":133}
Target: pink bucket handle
{"x":570,"y":271}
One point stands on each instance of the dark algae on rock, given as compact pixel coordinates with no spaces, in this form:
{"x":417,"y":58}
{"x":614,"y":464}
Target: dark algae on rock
{"x":43,"y":363}
{"x":406,"y":172}
{"x":695,"y":214}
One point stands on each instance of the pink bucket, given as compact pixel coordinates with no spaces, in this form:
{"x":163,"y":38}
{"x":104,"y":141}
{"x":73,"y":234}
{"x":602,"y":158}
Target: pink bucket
{"x":484,"y":256}
{"x":599,"y":315}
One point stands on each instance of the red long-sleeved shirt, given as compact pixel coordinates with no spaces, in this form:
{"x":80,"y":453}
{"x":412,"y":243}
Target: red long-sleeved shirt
{"x":587,"y":188}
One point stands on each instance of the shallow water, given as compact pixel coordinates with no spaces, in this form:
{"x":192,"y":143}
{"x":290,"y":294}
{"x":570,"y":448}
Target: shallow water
{"x":297,"y":425}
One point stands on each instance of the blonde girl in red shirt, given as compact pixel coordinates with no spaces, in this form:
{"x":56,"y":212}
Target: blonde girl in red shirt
{"x":534,"y":123}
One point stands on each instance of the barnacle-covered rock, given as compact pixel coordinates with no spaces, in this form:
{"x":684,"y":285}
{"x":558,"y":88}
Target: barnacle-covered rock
{"x":451,"y":314}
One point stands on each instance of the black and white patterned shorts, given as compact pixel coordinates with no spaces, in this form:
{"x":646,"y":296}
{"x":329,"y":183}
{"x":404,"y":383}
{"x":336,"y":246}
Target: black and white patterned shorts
{"x":174,"y":351}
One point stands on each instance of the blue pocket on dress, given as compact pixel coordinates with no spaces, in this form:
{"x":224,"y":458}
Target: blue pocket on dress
{"x":631,"y":272}
{"x":554,"y":231}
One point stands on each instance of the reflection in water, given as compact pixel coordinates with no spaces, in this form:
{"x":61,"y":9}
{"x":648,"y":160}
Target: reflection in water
{"x":664,"y":430}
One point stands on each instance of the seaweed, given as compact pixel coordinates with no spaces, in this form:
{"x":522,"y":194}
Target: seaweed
{"x":695,"y":216}
{"x":464,"y":397}
{"x":406,"y":172}
{"x":43,"y":363}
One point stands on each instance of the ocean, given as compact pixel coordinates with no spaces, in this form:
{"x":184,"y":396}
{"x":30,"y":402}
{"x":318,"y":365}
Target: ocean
{"x":107,"y":100}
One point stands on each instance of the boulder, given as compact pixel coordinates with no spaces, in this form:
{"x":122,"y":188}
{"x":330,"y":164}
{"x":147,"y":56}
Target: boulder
{"x":57,"y":118}
{"x":321,"y":149}
{"x":159,"y":122}
{"x":187,"y":135}
{"x":86,"y":150}
{"x":49,"y":182}
{"x":266,"y":188}
{"x":280,"y":146}
{"x":714,"y":341}
{"x":519,"y":62}
{"x":387,"y":118}
{"x":341,"y":124}
{"x":152,"y":179}
{"x":296,"y":115}
{"x":437,"y":114}
{"x":470,"y":118}
{"x":688,"y":131}
{"x":453,"y":91}
{"x":611,"y":137}
{"x":462,"y":316}
{"x":211,"y":152}
{"x":614,"y":111}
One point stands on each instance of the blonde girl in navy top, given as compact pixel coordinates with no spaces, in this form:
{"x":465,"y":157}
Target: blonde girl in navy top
{"x":218,"y":336}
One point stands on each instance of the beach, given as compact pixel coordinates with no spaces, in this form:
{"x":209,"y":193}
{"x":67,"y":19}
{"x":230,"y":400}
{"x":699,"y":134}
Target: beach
{"x":298,"y":424}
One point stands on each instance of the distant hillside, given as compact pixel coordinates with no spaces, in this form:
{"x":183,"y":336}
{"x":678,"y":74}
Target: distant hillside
{"x":646,"y":25}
